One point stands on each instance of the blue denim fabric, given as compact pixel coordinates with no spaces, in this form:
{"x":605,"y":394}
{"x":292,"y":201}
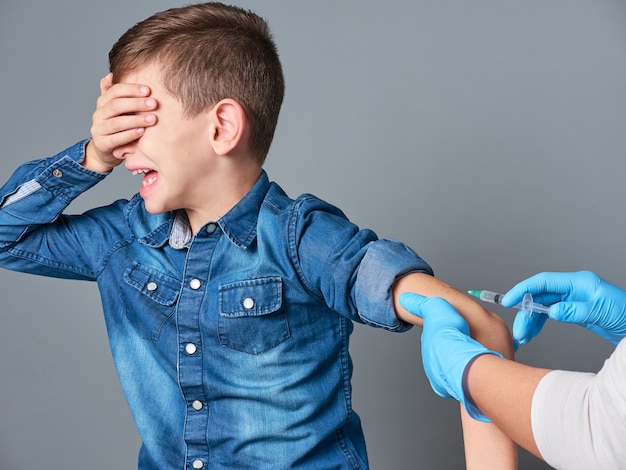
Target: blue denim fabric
{"x":231,"y":345}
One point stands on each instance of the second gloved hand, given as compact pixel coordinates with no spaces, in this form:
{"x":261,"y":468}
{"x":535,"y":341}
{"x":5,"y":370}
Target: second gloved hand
{"x":582,"y":298}
{"x":447,"y":348}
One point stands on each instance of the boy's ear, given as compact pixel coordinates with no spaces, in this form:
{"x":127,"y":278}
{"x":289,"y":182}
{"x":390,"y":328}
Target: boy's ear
{"x":228,"y":124}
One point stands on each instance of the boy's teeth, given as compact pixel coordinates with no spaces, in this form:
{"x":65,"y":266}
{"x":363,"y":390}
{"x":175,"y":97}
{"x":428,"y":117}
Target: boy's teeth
{"x":144,"y":170}
{"x":148,"y":181}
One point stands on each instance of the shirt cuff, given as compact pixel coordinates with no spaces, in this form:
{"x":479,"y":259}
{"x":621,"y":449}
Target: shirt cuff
{"x":65,"y":177}
{"x":383,"y":264}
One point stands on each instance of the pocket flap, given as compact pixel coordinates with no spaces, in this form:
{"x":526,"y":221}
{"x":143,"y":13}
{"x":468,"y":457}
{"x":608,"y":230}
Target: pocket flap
{"x":251,"y":297}
{"x":160,"y":287}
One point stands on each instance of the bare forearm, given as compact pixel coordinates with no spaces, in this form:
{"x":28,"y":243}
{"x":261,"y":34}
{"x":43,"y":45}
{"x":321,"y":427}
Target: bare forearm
{"x":504,"y":390}
{"x":486,"y":446}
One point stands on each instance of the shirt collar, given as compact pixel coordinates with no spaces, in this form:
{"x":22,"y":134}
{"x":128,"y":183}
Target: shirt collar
{"x":238,"y":224}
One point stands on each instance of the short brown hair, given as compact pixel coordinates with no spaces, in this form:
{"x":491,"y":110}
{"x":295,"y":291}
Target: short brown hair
{"x":209,"y":52}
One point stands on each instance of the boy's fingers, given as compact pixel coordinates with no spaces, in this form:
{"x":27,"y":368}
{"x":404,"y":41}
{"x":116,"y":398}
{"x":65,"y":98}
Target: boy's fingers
{"x":121,"y":90}
{"x":108,"y":144}
{"x":125,"y":106}
{"x":117,"y":141}
{"x":122,"y":107}
{"x":123,"y":123}
{"x":105,"y":83}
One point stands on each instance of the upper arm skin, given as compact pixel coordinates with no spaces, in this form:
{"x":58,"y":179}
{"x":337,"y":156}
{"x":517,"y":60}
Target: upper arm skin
{"x":485,"y":327}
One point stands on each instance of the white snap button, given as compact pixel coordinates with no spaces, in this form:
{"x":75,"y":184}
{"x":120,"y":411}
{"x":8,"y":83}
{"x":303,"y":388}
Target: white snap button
{"x":152,"y":286}
{"x":197,"y":405}
{"x":57,"y":173}
{"x":191,"y":348}
{"x":210,"y":228}
{"x":195,"y":284}
{"x":198,"y":464}
{"x":248,"y":303}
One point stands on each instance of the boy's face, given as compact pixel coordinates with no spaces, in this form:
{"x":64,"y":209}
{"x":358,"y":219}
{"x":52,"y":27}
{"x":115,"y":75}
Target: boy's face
{"x":174,"y":156}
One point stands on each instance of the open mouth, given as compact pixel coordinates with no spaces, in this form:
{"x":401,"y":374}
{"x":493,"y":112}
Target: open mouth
{"x":149,"y":178}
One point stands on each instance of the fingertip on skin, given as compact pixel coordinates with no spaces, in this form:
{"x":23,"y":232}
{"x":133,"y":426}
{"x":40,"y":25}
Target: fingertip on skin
{"x":144,"y":90}
{"x":408,"y":296}
{"x":140,"y":130}
{"x":411,"y":302}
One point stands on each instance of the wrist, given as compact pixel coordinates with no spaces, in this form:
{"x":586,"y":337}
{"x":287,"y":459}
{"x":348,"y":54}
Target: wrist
{"x":470,"y":404}
{"x":92,"y":162}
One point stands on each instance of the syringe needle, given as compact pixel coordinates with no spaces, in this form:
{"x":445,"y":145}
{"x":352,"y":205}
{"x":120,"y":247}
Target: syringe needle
{"x":528,"y":306}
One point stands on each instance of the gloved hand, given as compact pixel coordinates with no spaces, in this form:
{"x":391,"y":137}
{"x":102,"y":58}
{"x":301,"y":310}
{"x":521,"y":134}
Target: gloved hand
{"x":582,"y":298}
{"x":447,"y":348}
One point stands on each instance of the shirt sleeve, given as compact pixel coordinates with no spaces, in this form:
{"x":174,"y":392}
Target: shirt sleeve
{"x":579,"y":419}
{"x":34,"y":235}
{"x":350,"y":268}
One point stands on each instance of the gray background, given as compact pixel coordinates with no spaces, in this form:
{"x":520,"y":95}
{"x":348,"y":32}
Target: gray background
{"x":488,"y":135}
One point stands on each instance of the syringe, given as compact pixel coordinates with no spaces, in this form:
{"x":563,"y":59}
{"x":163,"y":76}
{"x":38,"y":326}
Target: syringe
{"x":527,"y":306}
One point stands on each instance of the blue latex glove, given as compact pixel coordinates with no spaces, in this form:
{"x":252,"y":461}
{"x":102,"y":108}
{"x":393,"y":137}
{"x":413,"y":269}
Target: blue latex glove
{"x":447,"y":348}
{"x":582,"y":298}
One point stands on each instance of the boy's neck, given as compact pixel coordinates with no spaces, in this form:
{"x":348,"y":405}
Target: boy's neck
{"x":221,"y":196}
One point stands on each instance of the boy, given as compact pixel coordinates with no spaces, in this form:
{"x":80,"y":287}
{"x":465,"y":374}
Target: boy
{"x":228,"y":305}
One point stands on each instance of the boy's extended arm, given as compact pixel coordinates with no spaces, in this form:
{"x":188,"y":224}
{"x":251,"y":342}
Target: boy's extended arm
{"x":486,"y":446}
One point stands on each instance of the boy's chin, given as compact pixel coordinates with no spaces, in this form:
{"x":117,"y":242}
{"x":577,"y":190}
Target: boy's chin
{"x":155,"y":209}
{"x":156,"y":212}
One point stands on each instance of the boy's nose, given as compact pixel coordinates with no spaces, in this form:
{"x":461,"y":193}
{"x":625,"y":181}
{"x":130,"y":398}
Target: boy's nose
{"x":123,"y":151}
{"x":119,"y":153}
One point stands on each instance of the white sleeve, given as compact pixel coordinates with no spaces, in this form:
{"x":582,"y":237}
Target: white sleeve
{"x":579,"y":419}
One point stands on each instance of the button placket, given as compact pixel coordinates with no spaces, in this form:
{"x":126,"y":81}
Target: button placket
{"x":191,"y":368}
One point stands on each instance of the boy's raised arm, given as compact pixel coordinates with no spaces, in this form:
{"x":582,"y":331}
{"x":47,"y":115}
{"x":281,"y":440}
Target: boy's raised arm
{"x":36,"y":195}
{"x":486,"y":447}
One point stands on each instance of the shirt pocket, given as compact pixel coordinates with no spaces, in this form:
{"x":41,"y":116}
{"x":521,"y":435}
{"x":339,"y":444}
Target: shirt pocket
{"x":251,"y":317}
{"x":150,"y":297}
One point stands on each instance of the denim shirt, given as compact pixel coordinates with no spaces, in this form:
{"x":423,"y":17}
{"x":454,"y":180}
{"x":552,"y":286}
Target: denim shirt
{"x":231,"y":345}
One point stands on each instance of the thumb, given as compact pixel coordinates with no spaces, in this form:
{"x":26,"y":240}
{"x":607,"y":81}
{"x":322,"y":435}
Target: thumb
{"x":571,"y":312}
{"x":413,"y":303}
{"x":106,"y":82}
